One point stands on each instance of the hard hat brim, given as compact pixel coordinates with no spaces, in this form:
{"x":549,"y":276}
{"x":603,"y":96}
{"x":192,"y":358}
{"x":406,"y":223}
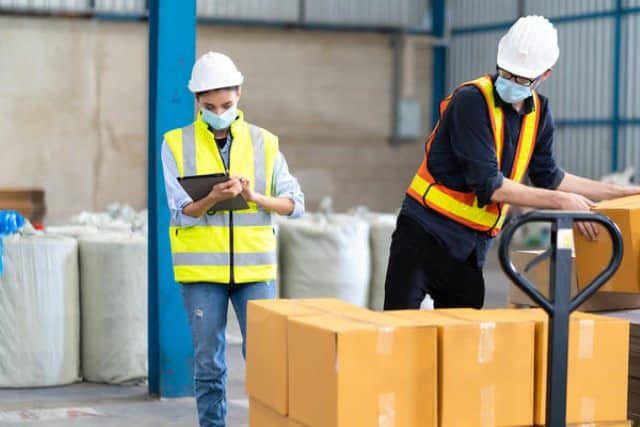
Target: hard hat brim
{"x":521,"y":71}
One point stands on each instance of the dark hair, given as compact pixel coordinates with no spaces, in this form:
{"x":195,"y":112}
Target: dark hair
{"x":216,"y":90}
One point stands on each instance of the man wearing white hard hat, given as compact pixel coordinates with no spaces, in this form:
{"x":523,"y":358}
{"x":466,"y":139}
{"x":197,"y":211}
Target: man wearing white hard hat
{"x":491,"y":132}
{"x":230,"y":255}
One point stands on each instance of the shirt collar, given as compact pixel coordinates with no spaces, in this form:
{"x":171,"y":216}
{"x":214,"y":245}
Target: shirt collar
{"x":526,"y":108}
{"x":227,"y":144}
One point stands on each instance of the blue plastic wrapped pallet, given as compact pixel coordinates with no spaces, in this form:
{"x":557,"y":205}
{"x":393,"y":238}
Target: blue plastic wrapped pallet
{"x":10,"y":222}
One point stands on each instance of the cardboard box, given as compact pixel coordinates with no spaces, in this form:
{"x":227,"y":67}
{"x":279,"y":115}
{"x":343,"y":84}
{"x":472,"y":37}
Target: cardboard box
{"x":633,"y":402}
{"x":598,"y":368}
{"x":349,"y":372}
{"x":539,"y":277}
{"x":485,"y":369}
{"x":266,"y":367}
{"x":593,"y":257}
{"x":604,"y":424}
{"x":29,"y":202}
{"x":597,"y":364}
{"x":262,"y":416}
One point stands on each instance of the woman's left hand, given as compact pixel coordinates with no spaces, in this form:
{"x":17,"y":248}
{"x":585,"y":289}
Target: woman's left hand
{"x":248,"y":194}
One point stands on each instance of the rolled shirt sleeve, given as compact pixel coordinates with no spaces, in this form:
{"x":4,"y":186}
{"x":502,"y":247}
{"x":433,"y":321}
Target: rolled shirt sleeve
{"x":543,"y":170}
{"x":286,"y":185}
{"x":177,"y":198}
{"x":283,"y":185}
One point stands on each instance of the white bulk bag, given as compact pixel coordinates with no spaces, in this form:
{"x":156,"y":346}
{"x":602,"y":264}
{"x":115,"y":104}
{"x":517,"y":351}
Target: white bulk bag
{"x":382,"y":227}
{"x":39,"y":311}
{"x":75,"y":231}
{"x":325,"y":256}
{"x":113,"y":290}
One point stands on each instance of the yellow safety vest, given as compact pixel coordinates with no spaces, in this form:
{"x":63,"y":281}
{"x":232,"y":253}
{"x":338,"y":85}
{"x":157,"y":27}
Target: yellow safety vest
{"x":226,"y":247}
{"x":461,"y":206}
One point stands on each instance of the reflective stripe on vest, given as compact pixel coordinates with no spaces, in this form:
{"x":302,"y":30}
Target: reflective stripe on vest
{"x":463,"y":206}
{"x":201,"y":253}
{"x":222,"y":258}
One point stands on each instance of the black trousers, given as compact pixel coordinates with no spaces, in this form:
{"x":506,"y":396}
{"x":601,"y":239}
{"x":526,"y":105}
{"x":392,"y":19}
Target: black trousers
{"x":419,"y":265}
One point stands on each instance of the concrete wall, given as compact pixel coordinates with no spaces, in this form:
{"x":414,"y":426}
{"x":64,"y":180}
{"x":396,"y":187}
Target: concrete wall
{"x":73,"y":109}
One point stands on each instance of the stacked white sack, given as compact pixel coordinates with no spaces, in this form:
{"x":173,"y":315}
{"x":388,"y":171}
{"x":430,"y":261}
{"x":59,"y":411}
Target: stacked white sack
{"x":113,"y":278}
{"x":117,"y":218}
{"x":75,"y":231}
{"x":325,"y":256}
{"x":39,"y":311}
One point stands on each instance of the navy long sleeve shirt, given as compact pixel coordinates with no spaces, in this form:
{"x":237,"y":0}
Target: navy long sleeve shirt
{"x":463,"y":158}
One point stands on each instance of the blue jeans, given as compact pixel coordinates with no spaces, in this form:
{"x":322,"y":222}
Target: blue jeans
{"x":206,"y":306}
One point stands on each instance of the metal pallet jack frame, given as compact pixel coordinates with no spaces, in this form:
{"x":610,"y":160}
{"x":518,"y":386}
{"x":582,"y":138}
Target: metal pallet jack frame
{"x":560,"y":305}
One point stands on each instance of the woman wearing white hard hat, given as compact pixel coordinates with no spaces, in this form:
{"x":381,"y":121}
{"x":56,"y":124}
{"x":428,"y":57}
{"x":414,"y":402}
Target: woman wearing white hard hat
{"x":491,"y":132}
{"x":223,"y":255}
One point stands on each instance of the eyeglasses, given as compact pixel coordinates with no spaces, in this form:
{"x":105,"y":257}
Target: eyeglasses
{"x":518,"y":79}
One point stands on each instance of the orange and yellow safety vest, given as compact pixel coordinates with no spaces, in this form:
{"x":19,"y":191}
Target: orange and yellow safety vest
{"x":462,"y":206}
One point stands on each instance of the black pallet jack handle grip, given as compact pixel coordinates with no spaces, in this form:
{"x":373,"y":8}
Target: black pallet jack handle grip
{"x":560,"y":305}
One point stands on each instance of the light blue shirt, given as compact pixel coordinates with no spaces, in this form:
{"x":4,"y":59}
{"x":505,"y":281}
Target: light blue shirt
{"x":283,"y":185}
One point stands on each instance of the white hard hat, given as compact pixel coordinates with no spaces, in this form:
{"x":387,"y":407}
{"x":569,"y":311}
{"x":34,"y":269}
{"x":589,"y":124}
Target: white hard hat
{"x":529,"y":48}
{"x":214,"y":70}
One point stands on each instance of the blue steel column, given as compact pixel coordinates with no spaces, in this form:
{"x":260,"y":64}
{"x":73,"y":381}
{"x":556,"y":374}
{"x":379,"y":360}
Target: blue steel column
{"x":172,"y":40}
{"x":615,"y":139}
{"x":439,"y":58}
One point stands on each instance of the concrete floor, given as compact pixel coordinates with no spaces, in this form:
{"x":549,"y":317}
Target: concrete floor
{"x":111,"y":405}
{"x":108,"y":405}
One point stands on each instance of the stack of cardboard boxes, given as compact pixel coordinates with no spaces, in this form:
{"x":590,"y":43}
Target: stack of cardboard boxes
{"x":624,"y":287}
{"x":325,"y":363}
{"x":28,"y":202}
{"x":634,"y":361}
{"x":593,"y":257}
{"x":477,"y":361}
{"x":634,"y":368}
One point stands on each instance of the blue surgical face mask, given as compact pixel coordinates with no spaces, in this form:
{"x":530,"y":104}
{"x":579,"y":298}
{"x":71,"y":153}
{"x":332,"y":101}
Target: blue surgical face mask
{"x":510,"y":91}
{"x":222,"y":121}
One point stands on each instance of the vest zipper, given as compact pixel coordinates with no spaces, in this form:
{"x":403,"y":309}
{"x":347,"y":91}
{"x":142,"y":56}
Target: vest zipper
{"x":228,"y":171}
{"x":231,"y":278}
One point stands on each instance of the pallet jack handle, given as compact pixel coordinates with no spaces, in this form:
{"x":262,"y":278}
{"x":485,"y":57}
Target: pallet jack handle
{"x":560,"y":305}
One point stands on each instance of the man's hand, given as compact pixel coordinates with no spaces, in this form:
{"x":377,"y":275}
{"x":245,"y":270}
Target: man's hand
{"x":573,"y":202}
{"x":226,"y":190}
{"x":590,"y":230}
{"x":628,"y":191}
{"x":576,"y":202}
